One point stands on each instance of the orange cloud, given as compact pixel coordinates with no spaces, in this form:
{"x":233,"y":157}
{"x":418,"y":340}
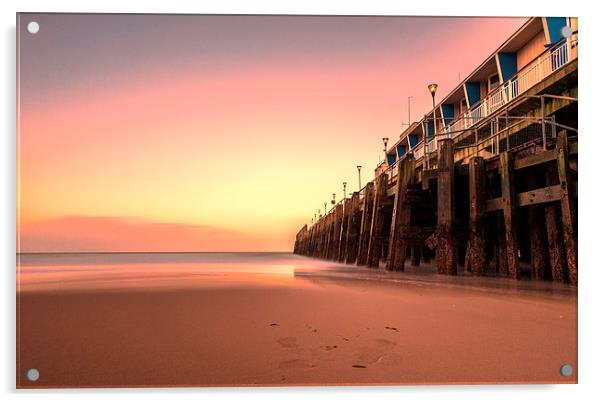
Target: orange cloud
{"x":104,"y":234}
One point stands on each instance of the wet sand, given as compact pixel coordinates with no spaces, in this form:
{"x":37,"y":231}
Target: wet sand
{"x":305,"y":323}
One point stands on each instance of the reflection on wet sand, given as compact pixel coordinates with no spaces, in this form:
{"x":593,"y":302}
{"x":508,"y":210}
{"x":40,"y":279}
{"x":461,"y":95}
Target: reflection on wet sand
{"x":97,"y":320}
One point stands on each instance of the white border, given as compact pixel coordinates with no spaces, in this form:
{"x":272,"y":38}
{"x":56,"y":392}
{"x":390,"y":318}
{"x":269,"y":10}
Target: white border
{"x":590,"y":278}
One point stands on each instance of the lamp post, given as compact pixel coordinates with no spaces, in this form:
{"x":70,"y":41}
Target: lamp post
{"x":359,"y":176}
{"x":385,"y":141}
{"x":325,"y":208}
{"x":344,"y":189}
{"x":334,"y":199}
{"x":409,"y":114}
{"x":433,"y":90}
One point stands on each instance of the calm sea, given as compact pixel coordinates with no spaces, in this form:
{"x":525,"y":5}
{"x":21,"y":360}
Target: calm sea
{"x":55,"y":272}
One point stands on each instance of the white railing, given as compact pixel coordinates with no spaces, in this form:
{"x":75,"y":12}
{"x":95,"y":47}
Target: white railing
{"x":393,"y":170}
{"x":418,"y":150}
{"x":530,"y":75}
{"x":431,"y":146}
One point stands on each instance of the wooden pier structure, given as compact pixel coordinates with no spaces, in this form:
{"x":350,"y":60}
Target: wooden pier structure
{"x":486,"y":190}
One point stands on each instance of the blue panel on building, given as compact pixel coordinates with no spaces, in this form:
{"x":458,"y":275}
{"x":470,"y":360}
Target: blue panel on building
{"x":430,"y":129}
{"x":413,"y":140}
{"x":555,"y":24}
{"x":448,"y":113}
{"x":508,"y":65}
{"x":391,"y":159}
{"x":473,"y":91}
{"x":401,"y":151}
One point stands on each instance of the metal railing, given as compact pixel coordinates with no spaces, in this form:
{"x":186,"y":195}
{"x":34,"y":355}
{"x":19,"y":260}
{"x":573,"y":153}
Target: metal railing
{"x":523,"y":80}
{"x":512,"y":135}
{"x":363,"y":192}
{"x":508,"y":133}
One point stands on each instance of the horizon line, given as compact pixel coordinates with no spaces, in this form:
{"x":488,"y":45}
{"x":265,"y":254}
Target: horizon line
{"x":153,"y":252}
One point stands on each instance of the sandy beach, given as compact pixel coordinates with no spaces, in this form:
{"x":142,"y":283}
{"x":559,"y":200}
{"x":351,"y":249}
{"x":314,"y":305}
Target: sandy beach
{"x":279,"y":319}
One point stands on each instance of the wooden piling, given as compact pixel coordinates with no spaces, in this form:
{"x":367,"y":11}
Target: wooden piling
{"x":400,"y":220}
{"x":500,"y":250}
{"x":344,"y":222}
{"x":365,"y":225}
{"x":416,"y":253}
{"x":555,"y":243}
{"x":353,"y":229}
{"x":328,"y":235}
{"x":446,"y":252}
{"x":509,"y":210}
{"x":312,"y":235}
{"x":425,"y":253}
{"x":477,"y":261}
{"x":567,"y":206}
{"x":540,"y":257}
{"x":556,"y":247}
{"x":378,"y":218}
{"x":333,"y":251}
{"x":320,"y":238}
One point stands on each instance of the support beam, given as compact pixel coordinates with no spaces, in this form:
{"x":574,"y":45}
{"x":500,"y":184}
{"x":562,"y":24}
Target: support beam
{"x":446,"y":252}
{"x":567,"y":207}
{"x":477,"y":260}
{"x":353,"y":229}
{"x":366,"y":223}
{"x":531,"y":197}
{"x":401,"y":214}
{"x":378,"y":221}
{"x":509,"y":209}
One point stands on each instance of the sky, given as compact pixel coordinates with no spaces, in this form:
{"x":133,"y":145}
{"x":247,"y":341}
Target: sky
{"x":216,"y":133}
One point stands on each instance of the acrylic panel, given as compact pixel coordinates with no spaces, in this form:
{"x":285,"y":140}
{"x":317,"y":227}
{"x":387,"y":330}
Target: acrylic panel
{"x":283,"y":200}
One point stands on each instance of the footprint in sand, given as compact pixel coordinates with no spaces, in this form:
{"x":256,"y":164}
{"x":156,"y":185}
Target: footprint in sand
{"x":295,"y":364}
{"x":379,"y":352}
{"x":289,"y":342}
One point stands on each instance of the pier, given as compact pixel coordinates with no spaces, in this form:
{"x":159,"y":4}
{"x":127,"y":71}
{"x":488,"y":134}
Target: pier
{"x":485,"y":183}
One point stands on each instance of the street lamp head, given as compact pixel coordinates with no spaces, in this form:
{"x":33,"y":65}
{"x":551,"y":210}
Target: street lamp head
{"x":385,"y":141}
{"x":359,"y":167}
{"x":432,"y":89}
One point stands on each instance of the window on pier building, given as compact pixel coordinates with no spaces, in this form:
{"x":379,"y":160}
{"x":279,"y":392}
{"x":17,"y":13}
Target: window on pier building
{"x":463,"y":106}
{"x":493,"y":83}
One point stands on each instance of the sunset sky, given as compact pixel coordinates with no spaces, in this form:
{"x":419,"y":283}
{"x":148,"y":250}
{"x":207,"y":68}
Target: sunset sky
{"x":216,"y":133}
